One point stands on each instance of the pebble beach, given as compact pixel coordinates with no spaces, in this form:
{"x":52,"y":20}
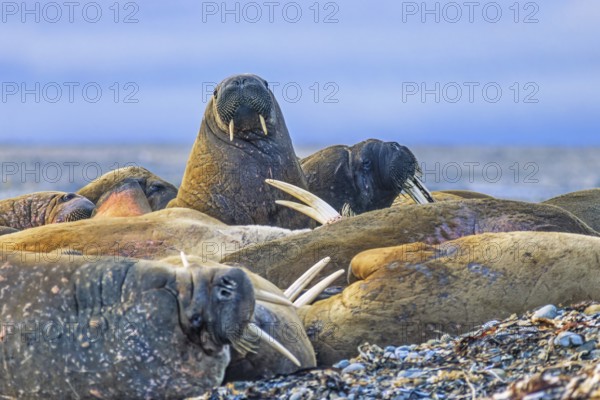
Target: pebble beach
{"x":550,"y":353}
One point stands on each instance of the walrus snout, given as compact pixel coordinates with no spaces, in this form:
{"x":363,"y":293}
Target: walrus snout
{"x":244,"y":104}
{"x":72,"y":207}
{"x":402,"y":165}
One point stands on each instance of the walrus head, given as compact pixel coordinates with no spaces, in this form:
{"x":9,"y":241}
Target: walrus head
{"x":242,"y":105}
{"x":364,"y":177}
{"x":68,"y":207}
{"x":380,"y":171}
{"x":216,"y":306}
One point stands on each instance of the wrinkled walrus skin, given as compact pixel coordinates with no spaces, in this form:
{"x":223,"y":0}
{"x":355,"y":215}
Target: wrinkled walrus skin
{"x":43,"y":208}
{"x":225,"y":175}
{"x":584,"y":204}
{"x":117,"y":330}
{"x":158,"y":191}
{"x":416,"y":292}
{"x":282,"y":260}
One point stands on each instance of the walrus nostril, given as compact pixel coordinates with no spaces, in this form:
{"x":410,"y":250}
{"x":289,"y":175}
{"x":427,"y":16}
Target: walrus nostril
{"x":224,"y":294}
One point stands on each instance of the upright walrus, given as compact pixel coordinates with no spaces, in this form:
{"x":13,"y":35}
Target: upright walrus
{"x":43,"y":208}
{"x":243,"y":140}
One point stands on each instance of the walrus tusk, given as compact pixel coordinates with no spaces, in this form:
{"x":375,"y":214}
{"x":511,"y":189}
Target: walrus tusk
{"x":263,"y":295}
{"x":271,"y":341}
{"x":263,"y":123}
{"x":320,"y":210}
{"x":417,"y":191}
{"x":184,"y":260}
{"x":316,"y":290}
{"x":231,"y":130}
{"x":295,"y":288}
{"x":306,"y":210}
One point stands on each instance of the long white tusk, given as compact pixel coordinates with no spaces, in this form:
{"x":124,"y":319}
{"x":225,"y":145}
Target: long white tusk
{"x":324,"y":211}
{"x":306,"y":210}
{"x":231,"y":130}
{"x":263,"y":295}
{"x":263,"y":123}
{"x":316,"y":290}
{"x":417,"y":191}
{"x":184,"y":260}
{"x":271,"y":341}
{"x":296,"y":288}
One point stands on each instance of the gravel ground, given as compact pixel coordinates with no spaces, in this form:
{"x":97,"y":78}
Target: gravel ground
{"x":552,"y":353}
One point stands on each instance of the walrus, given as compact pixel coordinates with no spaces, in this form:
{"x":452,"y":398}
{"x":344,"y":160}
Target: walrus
{"x":365,"y":177}
{"x":43,"y":208}
{"x":243,"y":139}
{"x":154,"y":236}
{"x":125,"y":200}
{"x":416,"y":292}
{"x":158,"y":191}
{"x":113,"y":330}
{"x":442,"y":195}
{"x":584,"y":204}
{"x":282,"y":259}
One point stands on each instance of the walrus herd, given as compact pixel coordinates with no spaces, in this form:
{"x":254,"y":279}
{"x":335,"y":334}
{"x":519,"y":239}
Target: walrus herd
{"x":134,"y":288}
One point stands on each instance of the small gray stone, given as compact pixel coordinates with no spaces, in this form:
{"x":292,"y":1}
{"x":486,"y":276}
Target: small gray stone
{"x":389,"y":349}
{"x":548,"y":312}
{"x":401,"y":354}
{"x":341,"y":364}
{"x":568,"y":339}
{"x":353,"y":368}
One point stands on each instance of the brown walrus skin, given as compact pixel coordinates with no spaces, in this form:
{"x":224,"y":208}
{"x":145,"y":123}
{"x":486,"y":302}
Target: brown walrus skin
{"x":131,"y":329}
{"x":43,"y":208}
{"x":443,"y":195}
{"x":416,"y":292}
{"x":151,"y":236}
{"x":584,"y":204}
{"x":281,"y":260}
{"x":225,"y":178}
{"x":158,"y":191}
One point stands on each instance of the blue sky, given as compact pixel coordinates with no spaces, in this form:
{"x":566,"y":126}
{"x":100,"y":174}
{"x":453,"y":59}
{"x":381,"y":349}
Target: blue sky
{"x":360,"y":75}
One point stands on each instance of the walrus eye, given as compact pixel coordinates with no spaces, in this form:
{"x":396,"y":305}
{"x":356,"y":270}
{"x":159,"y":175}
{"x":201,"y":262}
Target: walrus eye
{"x":68,"y":197}
{"x":215,"y":93}
{"x":155,"y":187}
{"x":367,"y":164}
{"x":266,"y":84}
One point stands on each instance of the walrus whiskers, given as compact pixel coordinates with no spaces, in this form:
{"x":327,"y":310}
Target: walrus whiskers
{"x":263,"y":123}
{"x":316,"y":290}
{"x":271,"y":341}
{"x":296,"y":288}
{"x":317,"y":208}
